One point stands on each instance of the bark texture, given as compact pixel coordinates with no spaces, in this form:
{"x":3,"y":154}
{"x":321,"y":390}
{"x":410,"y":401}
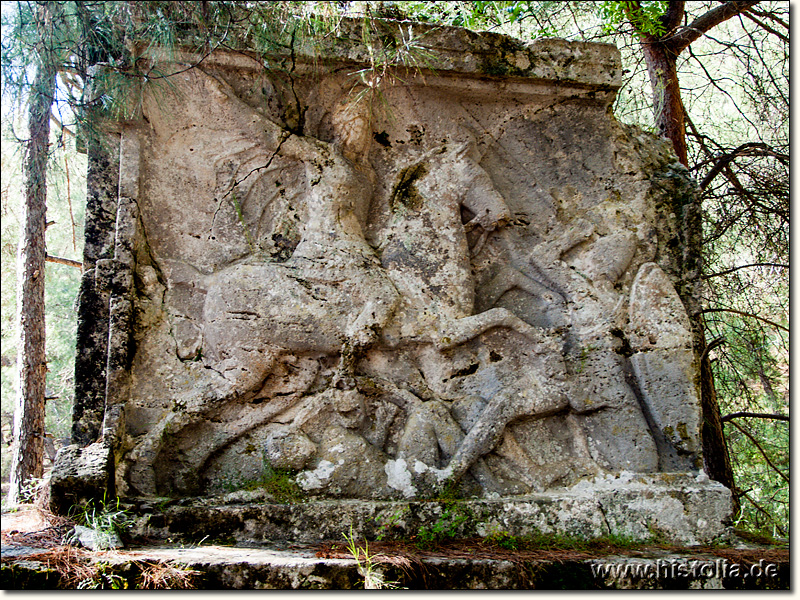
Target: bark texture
{"x":667,"y":105}
{"x":28,"y":451}
{"x":716,"y":458}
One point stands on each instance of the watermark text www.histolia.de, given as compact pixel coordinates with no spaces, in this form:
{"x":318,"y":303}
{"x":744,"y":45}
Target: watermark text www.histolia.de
{"x":679,"y":568}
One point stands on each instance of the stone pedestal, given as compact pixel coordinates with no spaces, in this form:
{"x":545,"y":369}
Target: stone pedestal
{"x":677,"y":508}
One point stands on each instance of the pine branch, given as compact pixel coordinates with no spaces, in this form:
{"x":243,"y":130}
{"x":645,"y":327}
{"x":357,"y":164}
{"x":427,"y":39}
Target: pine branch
{"x":61,"y":126}
{"x":761,"y":509}
{"x":750,"y":415}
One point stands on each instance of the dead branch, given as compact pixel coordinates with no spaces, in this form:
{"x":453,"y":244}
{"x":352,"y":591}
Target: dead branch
{"x":64,"y":261}
{"x":718,"y":341}
{"x":747,"y":149}
{"x":750,"y":415}
{"x":744,"y":314}
{"x":749,"y":266}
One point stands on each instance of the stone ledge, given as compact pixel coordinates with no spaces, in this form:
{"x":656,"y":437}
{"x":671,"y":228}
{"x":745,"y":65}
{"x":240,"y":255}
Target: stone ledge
{"x":297,"y":567}
{"x":682,"y":508}
{"x":447,"y":51}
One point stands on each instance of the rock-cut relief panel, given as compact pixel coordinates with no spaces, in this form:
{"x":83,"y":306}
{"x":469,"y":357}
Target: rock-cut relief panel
{"x":386,"y":305}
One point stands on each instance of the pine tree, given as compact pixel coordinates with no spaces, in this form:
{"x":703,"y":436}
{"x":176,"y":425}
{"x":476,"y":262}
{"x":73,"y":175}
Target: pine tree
{"x":28,"y":451}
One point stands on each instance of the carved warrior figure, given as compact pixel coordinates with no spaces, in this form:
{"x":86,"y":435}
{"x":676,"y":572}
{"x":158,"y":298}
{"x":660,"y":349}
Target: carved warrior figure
{"x":600,"y":398}
{"x":332,"y":296}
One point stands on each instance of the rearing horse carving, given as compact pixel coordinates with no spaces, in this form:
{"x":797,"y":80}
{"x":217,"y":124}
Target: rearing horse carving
{"x":333,"y":295}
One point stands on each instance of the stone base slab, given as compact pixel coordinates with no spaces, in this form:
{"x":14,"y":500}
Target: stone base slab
{"x":682,"y":508}
{"x":288,"y":566}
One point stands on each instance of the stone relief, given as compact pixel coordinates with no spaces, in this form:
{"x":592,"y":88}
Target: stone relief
{"x":463,"y":289}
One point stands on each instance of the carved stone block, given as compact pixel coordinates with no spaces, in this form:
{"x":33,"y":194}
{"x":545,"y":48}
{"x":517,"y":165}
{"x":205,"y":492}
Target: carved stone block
{"x":460,"y":286}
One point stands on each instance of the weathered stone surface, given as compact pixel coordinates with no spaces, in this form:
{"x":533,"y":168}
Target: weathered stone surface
{"x":92,"y":327}
{"x":661,"y":340}
{"x":94,"y":539}
{"x":682,"y":508}
{"x":466,"y":287}
{"x":296,"y":566}
{"x":81,"y":474}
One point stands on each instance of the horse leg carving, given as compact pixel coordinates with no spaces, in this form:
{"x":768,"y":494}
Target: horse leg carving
{"x":252,"y":416}
{"x":430,"y":421}
{"x":465,"y":329}
{"x":451,"y":438}
{"x":488,"y":431}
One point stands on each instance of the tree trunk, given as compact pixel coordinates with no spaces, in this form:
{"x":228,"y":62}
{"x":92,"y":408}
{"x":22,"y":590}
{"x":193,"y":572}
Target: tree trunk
{"x":667,"y":105}
{"x":716,"y":458}
{"x":28,"y":450}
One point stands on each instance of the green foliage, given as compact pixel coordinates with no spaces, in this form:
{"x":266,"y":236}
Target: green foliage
{"x":385,"y":527}
{"x":529,"y":17}
{"x":763,"y":491}
{"x":278,"y":483}
{"x":103,"y":578}
{"x":9,"y":221}
{"x":536,"y":19}
{"x":32,"y":490}
{"x":66,"y":191}
{"x":373,"y":579}
{"x":26,"y":39}
{"x":447,"y":527}
{"x":65,"y":215}
{"x":751,"y":375}
{"x":550,"y":541}
{"x":459,"y":14}
{"x":644,"y":16}
{"x":108,"y":520}
{"x":448,"y":492}
{"x":388,"y":57}
{"x":504,"y":540}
